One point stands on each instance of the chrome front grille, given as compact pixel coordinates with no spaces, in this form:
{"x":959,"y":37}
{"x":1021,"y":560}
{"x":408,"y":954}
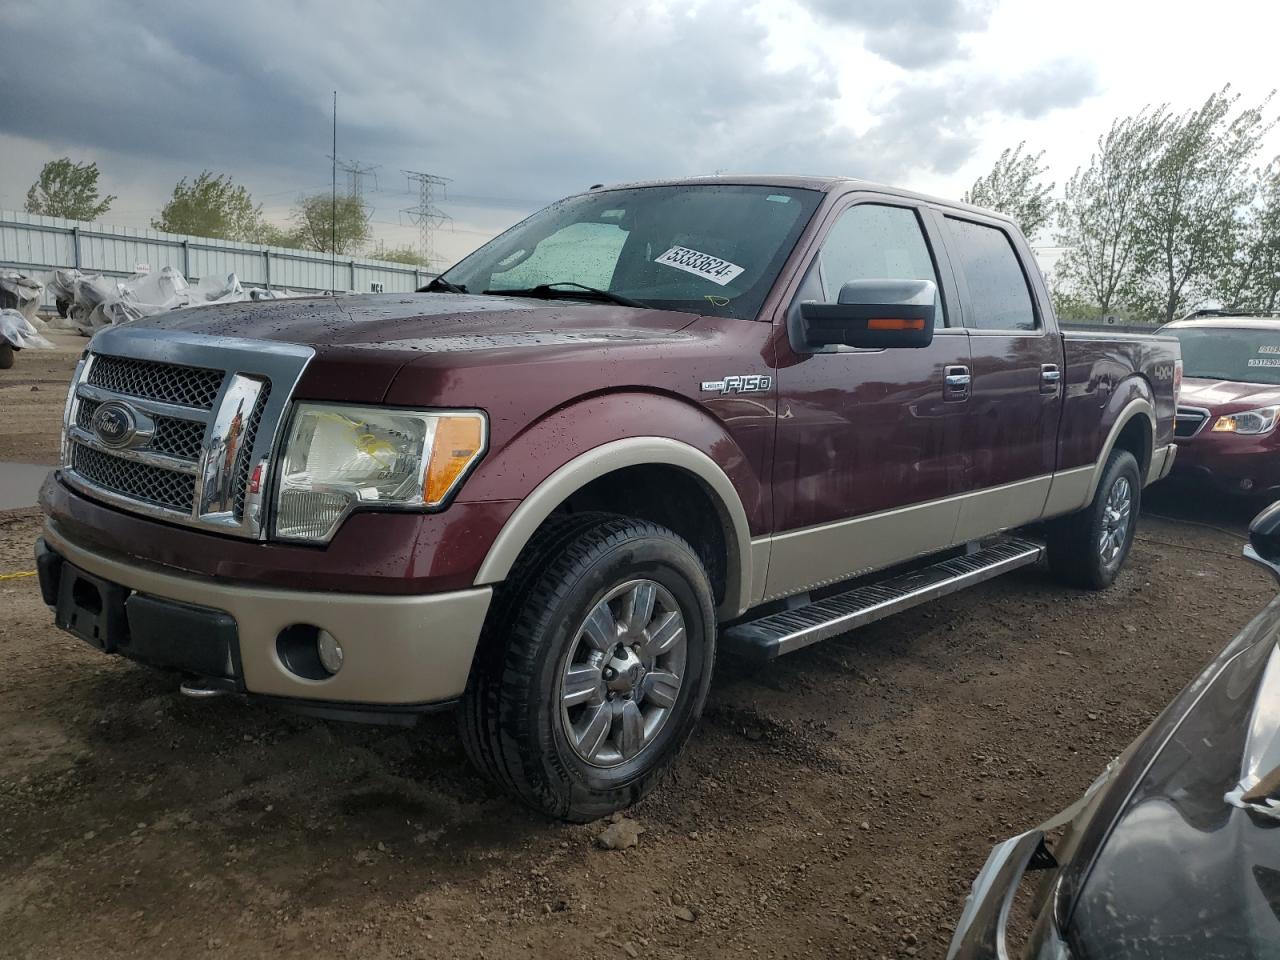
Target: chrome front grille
{"x":245,"y":465}
{"x":169,"y":382}
{"x":138,"y":481}
{"x":201,"y":415}
{"x":174,"y":436}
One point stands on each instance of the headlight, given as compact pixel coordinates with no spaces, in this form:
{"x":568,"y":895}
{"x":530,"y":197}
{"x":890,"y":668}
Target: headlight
{"x":1250,"y":422}
{"x":63,"y":446}
{"x":339,"y":457}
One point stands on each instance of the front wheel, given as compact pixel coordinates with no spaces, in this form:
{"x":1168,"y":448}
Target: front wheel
{"x":1088,"y":548}
{"x":594,"y":667}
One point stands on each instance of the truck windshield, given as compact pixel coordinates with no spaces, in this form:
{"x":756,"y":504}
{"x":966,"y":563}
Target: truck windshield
{"x":713,"y":249}
{"x":1245,"y":356}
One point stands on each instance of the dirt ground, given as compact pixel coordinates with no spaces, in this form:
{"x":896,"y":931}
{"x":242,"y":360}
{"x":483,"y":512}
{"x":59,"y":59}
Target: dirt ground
{"x":32,"y":394}
{"x":836,"y":804}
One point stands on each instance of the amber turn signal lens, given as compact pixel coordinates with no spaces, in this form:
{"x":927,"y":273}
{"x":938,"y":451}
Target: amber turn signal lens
{"x":458,"y":443}
{"x":893,"y":323}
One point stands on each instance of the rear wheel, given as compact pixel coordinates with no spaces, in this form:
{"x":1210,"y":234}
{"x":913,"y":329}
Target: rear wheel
{"x":1088,"y":548}
{"x":594,"y":666}
{"x":6,"y":356}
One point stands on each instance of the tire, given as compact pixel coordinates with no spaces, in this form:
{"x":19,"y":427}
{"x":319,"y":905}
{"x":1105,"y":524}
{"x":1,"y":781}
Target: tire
{"x":549,"y":633}
{"x":1078,"y":554}
{"x":6,"y":356}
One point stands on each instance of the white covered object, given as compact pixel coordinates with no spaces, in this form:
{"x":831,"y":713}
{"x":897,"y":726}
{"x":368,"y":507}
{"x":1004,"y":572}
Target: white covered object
{"x":18,"y":331}
{"x":21,"y":292}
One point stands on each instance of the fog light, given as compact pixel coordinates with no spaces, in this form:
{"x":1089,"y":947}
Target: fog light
{"x":330,"y":651}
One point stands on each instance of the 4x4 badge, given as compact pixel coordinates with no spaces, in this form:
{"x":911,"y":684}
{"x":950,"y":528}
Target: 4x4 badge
{"x":750,"y":383}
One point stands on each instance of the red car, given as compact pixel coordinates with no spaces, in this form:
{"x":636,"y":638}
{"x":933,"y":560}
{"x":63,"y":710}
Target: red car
{"x":1230,"y":402}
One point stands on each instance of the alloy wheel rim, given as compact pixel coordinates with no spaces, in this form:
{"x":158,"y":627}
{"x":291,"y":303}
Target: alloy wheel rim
{"x":1115,"y":521}
{"x":622,"y":675}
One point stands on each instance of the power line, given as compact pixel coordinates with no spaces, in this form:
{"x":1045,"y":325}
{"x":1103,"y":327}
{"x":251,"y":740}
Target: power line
{"x":356,"y":173}
{"x":426,"y":215}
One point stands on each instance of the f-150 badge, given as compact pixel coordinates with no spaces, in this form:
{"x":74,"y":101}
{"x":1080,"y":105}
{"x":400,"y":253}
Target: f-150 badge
{"x":750,"y":383}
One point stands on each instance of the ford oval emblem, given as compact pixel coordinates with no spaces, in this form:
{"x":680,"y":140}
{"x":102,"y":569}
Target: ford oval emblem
{"x":114,"y":424}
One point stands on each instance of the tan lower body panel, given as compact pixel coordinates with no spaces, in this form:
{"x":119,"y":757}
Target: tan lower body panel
{"x":805,"y":559}
{"x":396,"y":650}
{"x":1162,"y":462}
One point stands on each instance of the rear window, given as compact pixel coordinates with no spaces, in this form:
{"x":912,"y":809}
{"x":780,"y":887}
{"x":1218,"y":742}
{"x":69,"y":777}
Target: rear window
{"x":1244,"y":356}
{"x":998,"y":295}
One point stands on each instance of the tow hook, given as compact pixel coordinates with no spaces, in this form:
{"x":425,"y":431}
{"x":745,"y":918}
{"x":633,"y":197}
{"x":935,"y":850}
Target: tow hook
{"x":200,"y":688}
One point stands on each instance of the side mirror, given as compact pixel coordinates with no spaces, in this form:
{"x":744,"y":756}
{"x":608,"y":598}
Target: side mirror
{"x":875,"y":314}
{"x":1264,"y":539}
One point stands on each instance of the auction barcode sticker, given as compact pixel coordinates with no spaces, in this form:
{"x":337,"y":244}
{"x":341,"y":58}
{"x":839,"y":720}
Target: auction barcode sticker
{"x":700,"y":264}
{"x":1264,"y":363}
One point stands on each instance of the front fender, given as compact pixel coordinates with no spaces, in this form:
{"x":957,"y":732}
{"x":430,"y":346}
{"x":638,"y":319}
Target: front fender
{"x":575,"y":445}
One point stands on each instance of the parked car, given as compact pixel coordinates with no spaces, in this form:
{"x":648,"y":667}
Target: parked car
{"x":1230,"y":402}
{"x":644,"y":419}
{"x":1174,"y":853}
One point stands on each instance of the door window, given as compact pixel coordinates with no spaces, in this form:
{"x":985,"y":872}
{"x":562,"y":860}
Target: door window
{"x":875,"y":242}
{"x":998,"y":295}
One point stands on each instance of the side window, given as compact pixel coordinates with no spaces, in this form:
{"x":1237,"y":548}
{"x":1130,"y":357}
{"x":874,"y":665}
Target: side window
{"x":583,"y":253}
{"x":998,"y":295}
{"x":874,"y":242}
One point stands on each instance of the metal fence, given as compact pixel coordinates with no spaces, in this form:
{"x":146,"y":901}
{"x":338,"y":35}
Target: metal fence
{"x":34,"y":243}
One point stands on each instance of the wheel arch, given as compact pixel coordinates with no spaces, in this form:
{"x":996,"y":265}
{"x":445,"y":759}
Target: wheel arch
{"x":1133,"y":429}
{"x":615,"y":458}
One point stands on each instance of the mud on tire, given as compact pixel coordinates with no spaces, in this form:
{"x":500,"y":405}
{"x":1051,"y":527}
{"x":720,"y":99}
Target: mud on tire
{"x":1088,"y":548}
{"x":564,"y":652}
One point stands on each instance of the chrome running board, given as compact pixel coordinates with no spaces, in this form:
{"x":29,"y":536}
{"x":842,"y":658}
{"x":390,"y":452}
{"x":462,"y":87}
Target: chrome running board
{"x":788,"y":630}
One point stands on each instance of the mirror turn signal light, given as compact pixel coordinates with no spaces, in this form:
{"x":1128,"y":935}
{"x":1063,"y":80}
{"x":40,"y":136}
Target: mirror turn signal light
{"x":893,"y":323}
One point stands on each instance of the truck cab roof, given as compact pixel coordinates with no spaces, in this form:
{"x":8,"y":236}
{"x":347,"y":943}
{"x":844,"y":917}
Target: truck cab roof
{"x":823,"y":184}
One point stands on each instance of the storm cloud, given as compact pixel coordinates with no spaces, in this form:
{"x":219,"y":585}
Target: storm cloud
{"x":518,"y":103}
{"x":909,"y":33}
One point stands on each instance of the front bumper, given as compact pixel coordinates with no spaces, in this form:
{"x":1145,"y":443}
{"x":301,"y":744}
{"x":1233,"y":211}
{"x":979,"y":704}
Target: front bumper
{"x":399,"y":651}
{"x":1237,"y":465}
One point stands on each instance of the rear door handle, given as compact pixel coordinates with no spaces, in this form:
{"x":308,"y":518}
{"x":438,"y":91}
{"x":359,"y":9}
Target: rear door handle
{"x":956,"y":382}
{"x":1050,"y":377}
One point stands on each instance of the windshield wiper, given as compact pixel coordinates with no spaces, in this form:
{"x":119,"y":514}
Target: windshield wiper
{"x":440,"y":284}
{"x":548,"y":291}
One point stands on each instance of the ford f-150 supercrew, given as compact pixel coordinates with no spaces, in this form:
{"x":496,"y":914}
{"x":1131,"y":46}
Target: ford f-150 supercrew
{"x":754,"y":411}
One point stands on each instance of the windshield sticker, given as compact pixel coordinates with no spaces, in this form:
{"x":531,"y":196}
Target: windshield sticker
{"x":778,"y":198}
{"x":1265,"y":363}
{"x":1269,"y":348}
{"x":700,"y":265}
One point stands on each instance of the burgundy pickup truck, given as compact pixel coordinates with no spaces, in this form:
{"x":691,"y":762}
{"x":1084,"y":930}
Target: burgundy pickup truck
{"x":647,"y":421}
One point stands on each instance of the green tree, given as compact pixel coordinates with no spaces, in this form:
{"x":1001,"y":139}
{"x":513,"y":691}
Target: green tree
{"x":1250,"y":280}
{"x":1098,"y":214}
{"x":211,"y":206}
{"x":1015,"y":187}
{"x":274,"y":236}
{"x":314,"y":217}
{"x":405,"y":254}
{"x":68,"y":189}
{"x":1190,"y":223}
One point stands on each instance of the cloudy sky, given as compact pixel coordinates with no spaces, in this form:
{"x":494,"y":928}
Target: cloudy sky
{"x":520,"y":103}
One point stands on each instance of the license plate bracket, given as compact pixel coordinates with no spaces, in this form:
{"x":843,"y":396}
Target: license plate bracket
{"x":92,"y":608}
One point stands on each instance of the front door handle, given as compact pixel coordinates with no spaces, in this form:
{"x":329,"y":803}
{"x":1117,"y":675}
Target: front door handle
{"x":956,"y":381}
{"x":1050,"y":377}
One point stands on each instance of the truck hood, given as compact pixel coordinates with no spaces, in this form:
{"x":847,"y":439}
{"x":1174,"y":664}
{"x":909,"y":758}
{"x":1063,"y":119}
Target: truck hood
{"x":413,"y":321}
{"x":1213,"y":394}
{"x":363,"y":341}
